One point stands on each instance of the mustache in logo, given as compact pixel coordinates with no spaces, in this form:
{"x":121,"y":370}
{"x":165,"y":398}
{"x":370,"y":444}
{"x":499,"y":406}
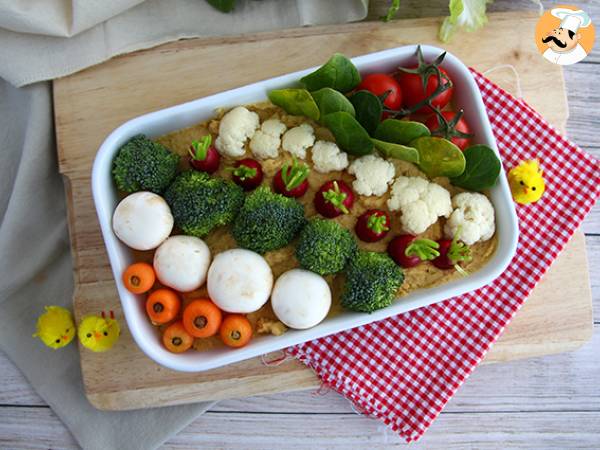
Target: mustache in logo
{"x":555,"y":40}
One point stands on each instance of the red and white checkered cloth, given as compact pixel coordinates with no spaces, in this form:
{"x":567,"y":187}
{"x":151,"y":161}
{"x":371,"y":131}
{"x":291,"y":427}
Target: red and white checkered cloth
{"x":403,"y":370}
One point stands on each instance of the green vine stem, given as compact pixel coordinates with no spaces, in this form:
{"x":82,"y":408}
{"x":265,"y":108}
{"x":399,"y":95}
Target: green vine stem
{"x":447,"y":129}
{"x":425,"y":71}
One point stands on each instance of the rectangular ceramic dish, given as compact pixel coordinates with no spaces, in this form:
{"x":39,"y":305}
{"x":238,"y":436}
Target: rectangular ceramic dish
{"x":466,"y":96}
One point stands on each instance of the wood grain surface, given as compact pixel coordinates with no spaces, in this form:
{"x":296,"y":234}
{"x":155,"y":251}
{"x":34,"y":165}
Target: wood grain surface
{"x":539,"y":403}
{"x":125,"y":378}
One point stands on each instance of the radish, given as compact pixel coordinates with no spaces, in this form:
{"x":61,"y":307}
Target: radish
{"x":443,"y":261}
{"x":247,"y":173}
{"x":203,"y":156}
{"x":452,"y":253}
{"x":408,"y":251}
{"x":291,"y":180}
{"x":372,"y":225}
{"x":333,"y":199}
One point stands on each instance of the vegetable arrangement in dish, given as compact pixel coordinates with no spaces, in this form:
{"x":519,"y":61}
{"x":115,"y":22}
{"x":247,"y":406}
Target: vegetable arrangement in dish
{"x":344,"y":193}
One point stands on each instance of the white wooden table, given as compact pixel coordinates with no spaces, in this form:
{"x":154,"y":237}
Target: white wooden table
{"x":550,"y":402}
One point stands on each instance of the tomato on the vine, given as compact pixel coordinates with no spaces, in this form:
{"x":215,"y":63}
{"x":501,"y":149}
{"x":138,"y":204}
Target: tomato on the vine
{"x":379,"y":84}
{"x":433,"y":123}
{"x":412,"y":89}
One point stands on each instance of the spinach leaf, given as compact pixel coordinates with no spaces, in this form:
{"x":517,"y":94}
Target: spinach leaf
{"x":481,"y":170}
{"x":400,"y":131}
{"x":338,"y":73}
{"x":368,"y":109}
{"x":298,"y":102}
{"x":223,"y":5}
{"x":349,"y":134}
{"x":439,"y":157}
{"x":329,"y":101}
{"x":396,"y":151}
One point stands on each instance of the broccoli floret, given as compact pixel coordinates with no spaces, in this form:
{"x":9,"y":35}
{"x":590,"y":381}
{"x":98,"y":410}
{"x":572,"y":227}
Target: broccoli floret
{"x":372,"y":280}
{"x":144,"y":165}
{"x":267,"y":221}
{"x":200,"y":202}
{"x":324,"y":246}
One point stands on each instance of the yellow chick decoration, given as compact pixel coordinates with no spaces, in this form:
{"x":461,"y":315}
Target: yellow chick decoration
{"x":526,"y":182}
{"x":55,"y":327}
{"x":99,"y":334}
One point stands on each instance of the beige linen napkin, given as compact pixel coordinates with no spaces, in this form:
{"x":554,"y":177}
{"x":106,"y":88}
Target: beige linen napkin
{"x":41,"y":40}
{"x":36,"y":45}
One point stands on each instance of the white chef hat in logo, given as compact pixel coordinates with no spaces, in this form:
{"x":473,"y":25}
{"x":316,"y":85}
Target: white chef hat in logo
{"x":571,"y":20}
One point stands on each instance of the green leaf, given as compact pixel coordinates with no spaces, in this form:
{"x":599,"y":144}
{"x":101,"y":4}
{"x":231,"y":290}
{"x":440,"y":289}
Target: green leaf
{"x":329,"y":101}
{"x":297,"y":102}
{"x":439,"y":157}
{"x":400,"y":131}
{"x":350,"y":136}
{"x":338,"y":73}
{"x":467,"y":14}
{"x":396,"y":151}
{"x":223,"y":5}
{"x":481,"y":170}
{"x":392,"y":11}
{"x":368,"y":109}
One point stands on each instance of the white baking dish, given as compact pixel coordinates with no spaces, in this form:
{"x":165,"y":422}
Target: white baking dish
{"x":466,"y":96}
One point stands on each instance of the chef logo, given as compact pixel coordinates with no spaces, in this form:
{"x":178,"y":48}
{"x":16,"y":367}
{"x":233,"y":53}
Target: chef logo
{"x":565,"y":35}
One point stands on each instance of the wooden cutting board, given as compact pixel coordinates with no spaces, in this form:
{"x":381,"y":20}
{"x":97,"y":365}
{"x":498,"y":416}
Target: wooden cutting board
{"x":91,"y":103}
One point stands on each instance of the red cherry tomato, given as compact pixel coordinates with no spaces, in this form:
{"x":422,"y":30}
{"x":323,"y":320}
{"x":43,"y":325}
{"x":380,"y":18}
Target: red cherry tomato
{"x":379,"y":84}
{"x":412,"y":90}
{"x":433,"y":123}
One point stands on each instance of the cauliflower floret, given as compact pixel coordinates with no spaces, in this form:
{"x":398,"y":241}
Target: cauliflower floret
{"x":296,"y":140}
{"x":421,"y":202}
{"x":327,"y":157}
{"x":474,"y":214}
{"x":235,"y":128}
{"x":273,"y":127}
{"x":266,"y":141}
{"x":406,"y":190}
{"x":373,"y":175}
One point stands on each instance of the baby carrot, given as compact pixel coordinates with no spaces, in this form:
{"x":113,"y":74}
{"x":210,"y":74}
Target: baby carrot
{"x":235,"y":330}
{"x":202,"y":318}
{"x":139,"y":277}
{"x":162,"y":306}
{"x":176,"y":339}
